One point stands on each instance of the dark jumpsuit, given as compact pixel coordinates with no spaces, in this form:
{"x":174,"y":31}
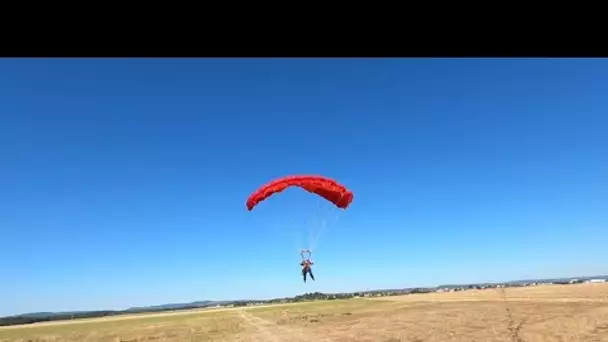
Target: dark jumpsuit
{"x":306,"y":269}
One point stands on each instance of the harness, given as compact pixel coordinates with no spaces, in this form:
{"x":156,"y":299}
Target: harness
{"x":305,"y":259}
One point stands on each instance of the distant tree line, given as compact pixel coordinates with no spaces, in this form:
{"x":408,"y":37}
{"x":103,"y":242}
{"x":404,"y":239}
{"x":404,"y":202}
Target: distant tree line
{"x":15,"y":320}
{"x":29,"y":319}
{"x":42,"y":317}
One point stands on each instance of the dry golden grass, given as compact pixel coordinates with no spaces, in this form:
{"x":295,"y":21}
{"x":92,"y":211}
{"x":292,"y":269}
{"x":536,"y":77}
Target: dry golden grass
{"x":544,"y":313}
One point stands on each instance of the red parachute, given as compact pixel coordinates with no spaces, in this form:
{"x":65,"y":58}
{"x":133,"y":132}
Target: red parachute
{"x":327,"y":188}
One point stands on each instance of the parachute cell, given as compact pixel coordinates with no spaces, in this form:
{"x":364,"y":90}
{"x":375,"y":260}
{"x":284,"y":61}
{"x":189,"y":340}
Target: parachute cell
{"x":327,"y":188}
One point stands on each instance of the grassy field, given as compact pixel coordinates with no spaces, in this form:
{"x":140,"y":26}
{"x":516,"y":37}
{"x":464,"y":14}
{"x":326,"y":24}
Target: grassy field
{"x":544,"y":313}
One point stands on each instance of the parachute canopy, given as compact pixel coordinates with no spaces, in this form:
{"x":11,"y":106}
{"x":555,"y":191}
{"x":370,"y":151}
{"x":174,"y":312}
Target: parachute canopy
{"x":327,"y":188}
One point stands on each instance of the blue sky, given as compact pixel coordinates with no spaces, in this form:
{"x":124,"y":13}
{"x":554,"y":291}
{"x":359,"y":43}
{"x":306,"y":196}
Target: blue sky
{"x":124,"y":181}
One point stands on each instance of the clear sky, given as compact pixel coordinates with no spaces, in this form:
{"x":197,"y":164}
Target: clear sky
{"x":124,"y":181}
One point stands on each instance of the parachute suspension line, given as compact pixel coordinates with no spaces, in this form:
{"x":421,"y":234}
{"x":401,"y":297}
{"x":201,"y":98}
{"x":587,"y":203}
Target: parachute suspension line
{"x":329,"y":221}
{"x":305,"y":254}
{"x":310,"y":228}
{"x":326,"y":188}
{"x":310,"y":223}
{"x":300,"y":225}
{"x":296,"y":207}
{"x":293,"y":230}
{"x":313,"y":223}
{"x":286,"y":227}
{"x":330,"y":217}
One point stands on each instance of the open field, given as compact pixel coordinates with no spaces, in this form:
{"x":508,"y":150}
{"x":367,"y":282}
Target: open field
{"x":544,"y":313}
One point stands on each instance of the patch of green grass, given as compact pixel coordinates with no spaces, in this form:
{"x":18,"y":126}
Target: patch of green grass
{"x":168,"y":327}
{"x":320,"y":312}
{"x":333,"y":305}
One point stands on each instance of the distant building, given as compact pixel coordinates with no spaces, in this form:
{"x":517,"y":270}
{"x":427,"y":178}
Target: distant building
{"x":596,"y":281}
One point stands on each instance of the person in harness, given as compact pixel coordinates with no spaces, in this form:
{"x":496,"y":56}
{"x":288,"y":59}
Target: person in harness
{"x":306,"y":265}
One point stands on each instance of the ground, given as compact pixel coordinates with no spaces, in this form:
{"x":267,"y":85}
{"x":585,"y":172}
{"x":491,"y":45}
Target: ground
{"x":543,"y":313}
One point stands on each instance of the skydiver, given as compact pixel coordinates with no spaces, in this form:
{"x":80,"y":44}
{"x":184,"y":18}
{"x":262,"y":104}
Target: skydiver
{"x":307,"y":269}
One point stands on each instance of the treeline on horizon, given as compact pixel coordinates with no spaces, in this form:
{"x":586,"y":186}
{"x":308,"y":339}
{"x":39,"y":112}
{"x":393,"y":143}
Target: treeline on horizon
{"x":37,"y":318}
{"x":50,"y":317}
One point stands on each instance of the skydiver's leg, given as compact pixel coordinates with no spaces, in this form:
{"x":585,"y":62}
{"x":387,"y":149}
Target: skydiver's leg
{"x":311,"y":275}
{"x":304,"y":275}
